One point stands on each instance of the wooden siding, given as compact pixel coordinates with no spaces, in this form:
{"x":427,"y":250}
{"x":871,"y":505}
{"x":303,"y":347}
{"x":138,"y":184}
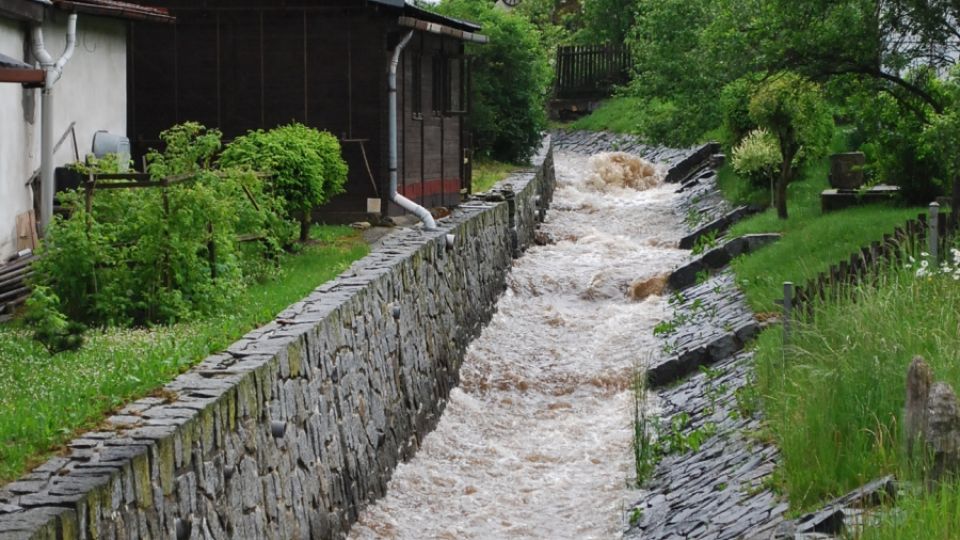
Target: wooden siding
{"x":249,"y":64}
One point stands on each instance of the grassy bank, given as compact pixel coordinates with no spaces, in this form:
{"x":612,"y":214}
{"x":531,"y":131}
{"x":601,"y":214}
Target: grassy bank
{"x":487,"y":172}
{"x":833,"y":397}
{"x":45,"y":400}
{"x":812,"y":240}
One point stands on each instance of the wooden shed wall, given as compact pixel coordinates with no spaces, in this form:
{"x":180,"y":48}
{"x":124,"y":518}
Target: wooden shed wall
{"x":431,"y":142}
{"x":248,"y":64}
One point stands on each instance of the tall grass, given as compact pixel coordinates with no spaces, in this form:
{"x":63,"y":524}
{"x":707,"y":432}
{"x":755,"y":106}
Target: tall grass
{"x":934,"y":516}
{"x":45,"y":400}
{"x":834,"y":395}
{"x":487,"y":172}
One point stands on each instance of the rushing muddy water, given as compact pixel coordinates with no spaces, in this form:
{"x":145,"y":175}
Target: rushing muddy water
{"x":536,"y":442}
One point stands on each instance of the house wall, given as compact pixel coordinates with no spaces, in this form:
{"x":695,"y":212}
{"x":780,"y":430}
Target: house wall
{"x":259,"y":67}
{"x":92,"y":93}
{"x":18,"y":157}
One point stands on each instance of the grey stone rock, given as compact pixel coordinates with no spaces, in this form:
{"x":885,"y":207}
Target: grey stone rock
{"x":942,"y":431}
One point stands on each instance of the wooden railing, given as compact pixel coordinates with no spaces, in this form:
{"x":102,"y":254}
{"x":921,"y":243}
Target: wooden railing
{"x":590,"y":70}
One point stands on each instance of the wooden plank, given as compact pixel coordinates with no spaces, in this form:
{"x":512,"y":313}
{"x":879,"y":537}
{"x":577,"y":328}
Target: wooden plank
{"x":27,"y":231}
{"x":20,"y":292}
{"x":16,"y":281}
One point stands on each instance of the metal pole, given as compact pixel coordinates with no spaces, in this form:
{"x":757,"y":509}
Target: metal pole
{"x":933,"y":242}
{"x":46,"y":161}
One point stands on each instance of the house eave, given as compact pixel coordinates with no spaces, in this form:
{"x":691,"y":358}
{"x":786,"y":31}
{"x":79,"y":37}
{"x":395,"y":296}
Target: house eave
{"x":441,"y":29}
{"x":20,"y":10}
{"x":116,"y":9}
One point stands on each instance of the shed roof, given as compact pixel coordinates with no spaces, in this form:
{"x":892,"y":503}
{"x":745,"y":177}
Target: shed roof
{"x":117,"y":9}
{"x":409,"y":10}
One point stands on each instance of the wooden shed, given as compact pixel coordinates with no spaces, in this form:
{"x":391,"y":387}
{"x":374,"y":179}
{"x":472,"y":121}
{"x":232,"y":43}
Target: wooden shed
{"x":246,"y":64}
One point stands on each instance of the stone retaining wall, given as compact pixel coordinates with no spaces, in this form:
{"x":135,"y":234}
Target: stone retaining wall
{"x":290,"y":432}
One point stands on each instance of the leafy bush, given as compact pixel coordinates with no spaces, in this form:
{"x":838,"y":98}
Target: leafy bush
{"x":51,"y":327}
{"x":735,"y":108}
{"x":306,"y":166}
{"x":156,"y":254}
{"x":793,"y":110}
{"x":757,"y":158}
{"x":510,"y":77}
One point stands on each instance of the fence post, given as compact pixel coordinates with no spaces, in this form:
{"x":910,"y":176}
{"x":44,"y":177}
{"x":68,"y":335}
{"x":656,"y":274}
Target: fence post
{"x":787,"y":309}
{"x":933,"y":242}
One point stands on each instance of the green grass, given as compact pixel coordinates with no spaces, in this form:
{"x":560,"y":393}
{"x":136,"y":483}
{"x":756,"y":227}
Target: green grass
{"x":936,"y":516}
{"x":812,"y":241}
{"x":834,"y":396}
{"x":618,"y":114}
{"x":45,"y":400}
{"x":487,"y":172}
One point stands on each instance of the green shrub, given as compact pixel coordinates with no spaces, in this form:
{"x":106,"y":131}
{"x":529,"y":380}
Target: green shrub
{"x":156,"y":254}
{"x":793,"y":110}
{"x":306,"y":166}
{"x":50,"y":327}
{"x":735,"y":108}
{"x":757,"y":158}
{"x":510,"y":77}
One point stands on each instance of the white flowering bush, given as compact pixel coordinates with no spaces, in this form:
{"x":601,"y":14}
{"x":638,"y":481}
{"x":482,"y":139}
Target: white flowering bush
{"x":757,"y":157}
{"x":949,"y":267}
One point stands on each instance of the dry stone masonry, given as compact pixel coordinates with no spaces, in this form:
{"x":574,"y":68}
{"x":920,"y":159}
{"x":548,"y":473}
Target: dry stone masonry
{"x":296,"y":426}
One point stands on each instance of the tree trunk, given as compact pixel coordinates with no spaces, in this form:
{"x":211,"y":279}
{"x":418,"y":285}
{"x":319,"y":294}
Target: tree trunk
{"x":304,"y":226}
{"x":780,"y":196}
{"x":954,"y":203}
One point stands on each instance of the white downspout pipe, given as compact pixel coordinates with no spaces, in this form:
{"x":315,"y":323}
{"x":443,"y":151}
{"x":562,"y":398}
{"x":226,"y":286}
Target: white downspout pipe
{"x":403,"y":202}
{"x":53,"y":69}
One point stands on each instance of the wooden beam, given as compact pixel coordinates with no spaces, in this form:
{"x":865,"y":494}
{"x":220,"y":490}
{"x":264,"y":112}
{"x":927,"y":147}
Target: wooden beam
{"x":30,"y":77}
{"x":441,"y":29}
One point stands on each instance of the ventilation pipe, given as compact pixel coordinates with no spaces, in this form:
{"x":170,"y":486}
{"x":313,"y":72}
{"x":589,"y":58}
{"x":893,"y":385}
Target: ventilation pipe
{"x":403,"y":202}
{"x":53,"y":69}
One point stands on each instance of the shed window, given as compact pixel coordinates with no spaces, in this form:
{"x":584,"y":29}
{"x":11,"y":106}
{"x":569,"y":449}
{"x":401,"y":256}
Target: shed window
{"x":416,"y":88}
{"x":449,"y":85}
{"x":456,"y":80}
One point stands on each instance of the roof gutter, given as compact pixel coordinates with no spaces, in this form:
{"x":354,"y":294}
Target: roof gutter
{"x":441,"y":29}
{"x":120,"y":11}
{"x":403,"y":202}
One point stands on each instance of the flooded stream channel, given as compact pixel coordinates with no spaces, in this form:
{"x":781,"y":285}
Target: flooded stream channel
{"x":536,"y":441}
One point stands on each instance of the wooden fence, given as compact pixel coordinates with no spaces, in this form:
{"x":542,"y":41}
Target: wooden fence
{"x":590,"y":71}
{"x":865,"y":265}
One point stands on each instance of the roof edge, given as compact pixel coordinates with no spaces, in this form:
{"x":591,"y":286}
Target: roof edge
{"x":117,"y":9}
{"x":409,"y":10}
{"x":434,"y":28}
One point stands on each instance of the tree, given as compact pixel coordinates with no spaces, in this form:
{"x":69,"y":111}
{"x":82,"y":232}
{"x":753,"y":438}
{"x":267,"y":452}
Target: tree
{"x":941,"y":138}
{"x":684,"y":53}
{"x":510,"y":76}
{"x":871,"y":39}
{"x":792,"y":109}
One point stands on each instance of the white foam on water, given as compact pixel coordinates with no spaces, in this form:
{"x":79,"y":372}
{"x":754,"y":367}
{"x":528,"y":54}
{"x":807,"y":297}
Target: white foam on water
{"x":536,"y":441}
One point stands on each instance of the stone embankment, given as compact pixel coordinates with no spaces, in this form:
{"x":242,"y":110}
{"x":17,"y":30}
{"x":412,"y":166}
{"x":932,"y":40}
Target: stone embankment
{"x":293,"y":429}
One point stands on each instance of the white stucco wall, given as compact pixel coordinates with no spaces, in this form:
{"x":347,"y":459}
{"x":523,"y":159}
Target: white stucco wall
{"x":17,"y":154}
{"x":92,"y":93}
